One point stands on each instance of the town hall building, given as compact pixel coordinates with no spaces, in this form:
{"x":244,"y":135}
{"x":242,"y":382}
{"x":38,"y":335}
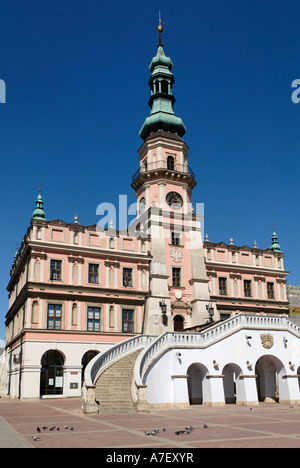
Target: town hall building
{"x":191,"y":321}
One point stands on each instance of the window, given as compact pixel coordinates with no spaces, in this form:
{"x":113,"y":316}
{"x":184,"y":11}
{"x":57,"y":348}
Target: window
{"x":222,"y":286}
{"x":175,"y":238}
{"x":54,"y":317}
{"x":127,"y":277}
{"x":170,"y":163}
{"x":93,"y":319}
{"x":164,"y":87}
{"x":247,"y":288}
{"x":127,"y":321}
{"x":176,"y":277}
{"x":93,"y":273}
{"x":270,"y":290}
{"x":55,"y":270}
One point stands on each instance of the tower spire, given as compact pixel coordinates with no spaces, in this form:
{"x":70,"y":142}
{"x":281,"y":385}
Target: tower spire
{"x":39,"y":211}
{"x":275,"y":246}
{"x":162,"y":116}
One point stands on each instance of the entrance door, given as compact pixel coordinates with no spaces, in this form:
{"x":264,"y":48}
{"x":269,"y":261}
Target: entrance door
{"x":51,"y":382}
{"x":178,"y":323}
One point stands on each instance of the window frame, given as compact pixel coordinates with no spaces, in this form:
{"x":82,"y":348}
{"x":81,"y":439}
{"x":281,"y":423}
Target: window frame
{"x":270,"y":290}
{"x":55,"y":269}
{"x":125,"y":277}
{"x":176,"y":279}
{"x":223,"y":288}
{"x":93,"y":320}
{"x":130,"y":323}
{"x":90,"y":274}
{"x":55,"y":316}
{"x":175,"y":238}
{"x":247,"y":288}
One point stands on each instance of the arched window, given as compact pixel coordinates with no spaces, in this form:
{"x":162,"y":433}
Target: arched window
{"x":170,"y":163}
{"x":164,"y":87}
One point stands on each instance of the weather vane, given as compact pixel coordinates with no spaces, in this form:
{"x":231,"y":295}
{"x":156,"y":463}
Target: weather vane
{"x":160,"y":30}
{"x":40,"y":187}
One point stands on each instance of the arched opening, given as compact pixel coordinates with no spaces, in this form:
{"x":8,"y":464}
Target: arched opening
{"x":164,"y":87}
{"x":271,"y":387}
{"x":170,"y":163}
{"x":197,"y":384}
{"x":233,"y":386}
{"x":51,"y":381}
{"x":86,"y":358}
{"x":178,"y":323}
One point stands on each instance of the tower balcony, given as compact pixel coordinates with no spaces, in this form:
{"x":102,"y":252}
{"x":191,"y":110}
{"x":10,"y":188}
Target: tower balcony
{"x":163,"y":169}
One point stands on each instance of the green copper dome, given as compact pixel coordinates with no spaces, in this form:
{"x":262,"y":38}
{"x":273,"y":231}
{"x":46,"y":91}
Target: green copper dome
{"x":162,"y":116}
{"x":275,"y":246}
{"x":39,"y":212}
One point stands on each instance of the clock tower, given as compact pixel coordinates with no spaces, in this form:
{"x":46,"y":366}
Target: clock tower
{"x":179,"y":294}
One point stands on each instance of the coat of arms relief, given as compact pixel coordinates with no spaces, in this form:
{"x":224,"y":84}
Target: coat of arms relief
{"x":267,"y":340}
{"x":177,"y":255}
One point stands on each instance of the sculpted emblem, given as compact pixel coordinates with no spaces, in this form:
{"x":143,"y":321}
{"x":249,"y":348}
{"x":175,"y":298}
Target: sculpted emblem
{"x":267,"y":341}
{"x":177,"y":255}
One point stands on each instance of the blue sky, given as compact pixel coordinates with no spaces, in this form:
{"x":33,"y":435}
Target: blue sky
{"x":76,"y":78}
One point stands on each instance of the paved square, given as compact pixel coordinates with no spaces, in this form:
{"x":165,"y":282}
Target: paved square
{"x":266,"y":426}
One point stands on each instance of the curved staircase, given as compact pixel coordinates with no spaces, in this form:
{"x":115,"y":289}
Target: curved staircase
{"x":113,"y":386}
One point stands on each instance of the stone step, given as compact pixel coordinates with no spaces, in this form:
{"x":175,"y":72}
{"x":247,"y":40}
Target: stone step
{"x":113,"y":387}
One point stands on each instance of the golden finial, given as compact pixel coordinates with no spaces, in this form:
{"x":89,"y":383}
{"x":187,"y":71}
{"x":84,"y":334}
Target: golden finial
{"x":160,"y":27}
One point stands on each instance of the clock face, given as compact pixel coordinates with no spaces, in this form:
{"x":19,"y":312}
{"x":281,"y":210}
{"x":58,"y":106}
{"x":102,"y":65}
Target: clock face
{"x":174,"y":200}
{"x":142,"y":205}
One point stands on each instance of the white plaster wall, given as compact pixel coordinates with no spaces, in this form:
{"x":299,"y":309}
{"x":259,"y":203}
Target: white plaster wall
{"x":31,"y":366}
{"x":234,"y":349}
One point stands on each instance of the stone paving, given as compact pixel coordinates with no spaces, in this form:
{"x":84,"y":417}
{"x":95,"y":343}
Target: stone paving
{"x":266,"y":426}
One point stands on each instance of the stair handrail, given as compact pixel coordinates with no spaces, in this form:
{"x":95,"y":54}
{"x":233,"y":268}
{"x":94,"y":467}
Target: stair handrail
{"x":102,"y":360}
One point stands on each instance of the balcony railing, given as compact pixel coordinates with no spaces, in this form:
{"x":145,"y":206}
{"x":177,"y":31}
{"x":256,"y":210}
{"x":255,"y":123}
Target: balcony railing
{"x":159,"y":165}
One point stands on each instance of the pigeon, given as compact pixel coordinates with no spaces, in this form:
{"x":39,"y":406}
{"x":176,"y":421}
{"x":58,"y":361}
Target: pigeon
{"x":164,"y":429}
{"x":44,"y":427}
{"x":52,"y":428}
{"x":147,"y":433}
{"x":71,"y":428}
{"x":154,"y":432}
{"x":66,"y":427}
{"x":35,"y":438}
{"x":205,"y":426}
{"x":179,"y":432}
{"x":38,"y":429}
{"x":190,"y":428}
{"x":58,"y":429}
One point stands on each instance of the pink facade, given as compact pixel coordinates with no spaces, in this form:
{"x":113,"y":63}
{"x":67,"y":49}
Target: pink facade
{"x":76,"y":267}
{"x":244,"y":279}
